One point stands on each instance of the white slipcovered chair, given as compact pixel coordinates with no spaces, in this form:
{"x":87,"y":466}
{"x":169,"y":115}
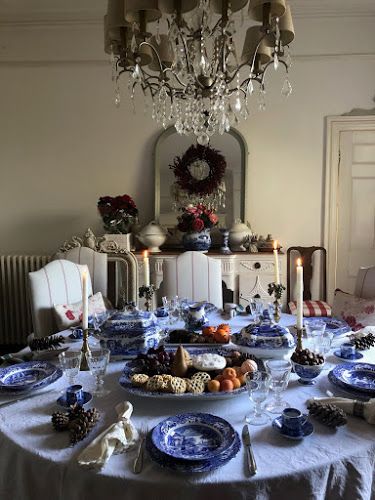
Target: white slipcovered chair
{"x":193,"y":276}
{"x":365,"y":283}
{"x":59,"y":282}
{"x":96,"y":262}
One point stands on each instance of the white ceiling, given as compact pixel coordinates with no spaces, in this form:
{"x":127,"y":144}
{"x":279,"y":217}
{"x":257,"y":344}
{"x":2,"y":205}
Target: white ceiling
{"x":40,"y":11}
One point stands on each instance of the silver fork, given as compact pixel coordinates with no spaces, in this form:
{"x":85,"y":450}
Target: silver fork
{"x":138,"y":461}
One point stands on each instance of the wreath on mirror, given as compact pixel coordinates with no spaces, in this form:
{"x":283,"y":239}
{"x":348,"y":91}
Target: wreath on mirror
{"x":211,"y":158}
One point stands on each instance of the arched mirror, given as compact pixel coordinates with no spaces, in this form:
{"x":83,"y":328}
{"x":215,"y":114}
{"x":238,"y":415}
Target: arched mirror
{"x":231,"y":146}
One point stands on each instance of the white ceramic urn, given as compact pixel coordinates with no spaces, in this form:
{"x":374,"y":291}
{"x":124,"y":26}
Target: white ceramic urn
{"x":152,"y":236}
{"x":237,"y":236}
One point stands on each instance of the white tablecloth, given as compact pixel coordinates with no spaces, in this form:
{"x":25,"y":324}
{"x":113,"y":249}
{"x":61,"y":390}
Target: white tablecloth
{"x":37,"y":463}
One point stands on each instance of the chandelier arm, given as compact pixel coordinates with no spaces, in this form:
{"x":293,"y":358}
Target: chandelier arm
{"x":155,"y":52}
{"x":177,"y":78}
{"x":269,"y":64}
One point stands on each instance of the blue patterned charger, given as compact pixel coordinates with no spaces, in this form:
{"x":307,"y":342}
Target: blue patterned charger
{"x":355,"y":376}
{"x":193,"y":436}
{"x":192,"y":466}
{"x":28,"y":375}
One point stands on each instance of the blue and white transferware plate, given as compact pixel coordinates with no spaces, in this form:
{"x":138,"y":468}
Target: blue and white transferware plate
{"x":193,"y":436}
{"x":347,"y":391}
{"x":306,"y":429}
{"x":353,"y":357}
{"x":87,"y":397}
{"x":335,"y":325}
{"x":192,"y":466}
{"x":133,"y":366}
{"x":357,"y":376}
{"x":27,"y":376}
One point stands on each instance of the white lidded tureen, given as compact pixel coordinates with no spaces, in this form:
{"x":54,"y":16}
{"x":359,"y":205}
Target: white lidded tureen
{"x":152,"y":236}
{"x":238,"y":234}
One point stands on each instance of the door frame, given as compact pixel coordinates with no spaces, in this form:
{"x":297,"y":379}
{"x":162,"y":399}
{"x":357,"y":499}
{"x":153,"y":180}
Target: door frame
{"x":335,"y":126}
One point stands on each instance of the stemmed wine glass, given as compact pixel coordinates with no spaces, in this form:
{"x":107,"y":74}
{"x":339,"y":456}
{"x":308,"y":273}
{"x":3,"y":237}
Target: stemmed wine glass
{"x":258,"y":386}
{"x":256,"y":308}
{"x":98,"y":360}
{"x":279,"y":371}
{"x":70,"y":363}
{"x":325,"y":346}
{"x":171,"y":304}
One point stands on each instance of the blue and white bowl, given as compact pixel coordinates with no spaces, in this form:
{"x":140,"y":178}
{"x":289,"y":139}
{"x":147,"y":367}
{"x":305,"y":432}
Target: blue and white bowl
{"x":193,"y":436}
{"x":307,"y":373}
{"x":359,"y":377}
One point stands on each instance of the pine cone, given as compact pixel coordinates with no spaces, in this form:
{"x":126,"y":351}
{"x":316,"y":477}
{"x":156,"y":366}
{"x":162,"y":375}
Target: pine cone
{"x":76,"y":411}
{"x":81,"y":426}
{"x":46,"y":343}
{"x":363,"y":342}
{"x":60,"y":420}
{"x":328,"y":414}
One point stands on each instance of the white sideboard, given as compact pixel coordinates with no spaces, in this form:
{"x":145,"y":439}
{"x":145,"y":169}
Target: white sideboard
{"x":245,"y":274}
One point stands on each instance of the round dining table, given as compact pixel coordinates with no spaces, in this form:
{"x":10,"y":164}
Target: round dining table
{"x":36,"y":462}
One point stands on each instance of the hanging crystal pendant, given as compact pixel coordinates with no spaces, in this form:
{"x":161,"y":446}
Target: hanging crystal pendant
{"x":117,"y":97}
{"x":288,"y":59}
{"x":237,"y":103}
{"x":262,"y":99}
{"x":250,"y":87}
{"x":287,"y":88}
{"x":137,"y":72}
{"x":134,"y":44}
{"x":157,"y":37}
{"x":276,"y":61}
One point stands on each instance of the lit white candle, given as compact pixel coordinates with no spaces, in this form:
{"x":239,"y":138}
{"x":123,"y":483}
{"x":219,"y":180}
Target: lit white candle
{"x":146,"y":268}
{"x":299,"y":294}
{"x":277,"y":270}
{"x":85,"y":302}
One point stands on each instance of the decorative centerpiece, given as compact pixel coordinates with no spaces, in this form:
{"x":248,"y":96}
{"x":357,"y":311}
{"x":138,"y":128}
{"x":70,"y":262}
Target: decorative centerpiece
{"x":276,"y":289}
{"x":147,"y":292}
{"x":196,"y":222}
{"x":119,"y":215}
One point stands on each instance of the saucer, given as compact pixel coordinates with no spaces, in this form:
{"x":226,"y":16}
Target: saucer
{"x":87,"y":397}
{"x":307,"y":429}
{"x":353,"y":357}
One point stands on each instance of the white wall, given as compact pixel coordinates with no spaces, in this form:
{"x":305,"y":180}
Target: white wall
{"x":63,"y":143}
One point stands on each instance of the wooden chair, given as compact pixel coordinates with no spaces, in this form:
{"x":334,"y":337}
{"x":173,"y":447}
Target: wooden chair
{"x":194,"y":276}
{"x":306,"y":254}
{"x":365,"y":283}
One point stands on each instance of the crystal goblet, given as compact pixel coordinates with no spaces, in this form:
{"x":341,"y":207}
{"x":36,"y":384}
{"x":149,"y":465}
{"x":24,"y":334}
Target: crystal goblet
{"x":98,"y":360}
{"x":279,"y":371}
{"x":70,"y":362}
{"x":258,"y":386}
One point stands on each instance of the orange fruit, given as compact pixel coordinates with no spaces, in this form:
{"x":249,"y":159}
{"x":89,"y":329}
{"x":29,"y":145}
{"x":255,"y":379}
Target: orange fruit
{"x":226,"y":385}
{"x":213,"y":386}
{"x":224,"y":326}
{"x":236,"y":383}
{"x":219,"y":377}
{"x":221,"y":336}
{"x":229,"y":373}
{"x":208,"y":331}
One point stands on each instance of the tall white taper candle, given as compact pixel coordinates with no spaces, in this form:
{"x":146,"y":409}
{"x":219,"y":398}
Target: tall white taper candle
{"x":277,"y":270}
{"x":146,"y":268}
{"x":85,"y":302}
{"x":299,"y":294}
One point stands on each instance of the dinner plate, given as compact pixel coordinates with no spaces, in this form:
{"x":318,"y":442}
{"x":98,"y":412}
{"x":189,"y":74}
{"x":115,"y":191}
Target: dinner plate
{"x":347,"y":391}
{"x":356,"y":376}
{"x":27,"y":376}
{"x":192,"y":466}
{"x":193,"y":436}
{"x":335,"y":325}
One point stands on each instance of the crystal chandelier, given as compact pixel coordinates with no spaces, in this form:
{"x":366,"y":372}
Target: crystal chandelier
{"x":192,"y":74}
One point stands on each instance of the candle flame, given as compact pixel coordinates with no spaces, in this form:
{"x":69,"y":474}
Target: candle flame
{"x":145,"y":253}
{"x":275,"y":244}
{"x":299,"y":262}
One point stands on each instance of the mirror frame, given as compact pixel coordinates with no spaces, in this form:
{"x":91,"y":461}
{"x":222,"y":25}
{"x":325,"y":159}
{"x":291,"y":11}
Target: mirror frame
{"x":171,"y":130}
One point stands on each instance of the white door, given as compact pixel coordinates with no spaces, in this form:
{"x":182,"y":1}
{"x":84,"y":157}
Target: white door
{"x":355,"y":204}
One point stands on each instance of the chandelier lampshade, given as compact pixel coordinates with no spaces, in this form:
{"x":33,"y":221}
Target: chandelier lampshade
{"x":273,"y":8}
{"x":171,"y":6}
{"x":187,"y":67}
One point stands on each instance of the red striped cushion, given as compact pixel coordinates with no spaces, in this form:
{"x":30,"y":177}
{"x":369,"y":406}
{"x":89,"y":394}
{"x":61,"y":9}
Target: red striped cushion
{"x":312,"y":308}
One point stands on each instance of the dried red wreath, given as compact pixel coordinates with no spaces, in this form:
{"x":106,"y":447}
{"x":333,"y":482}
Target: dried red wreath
{"x":215,"y":161}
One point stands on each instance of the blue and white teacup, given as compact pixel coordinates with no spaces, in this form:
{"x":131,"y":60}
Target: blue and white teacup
{"x":347,"y":350}
{"x":293,"y":420}
{"x":74,"y":394}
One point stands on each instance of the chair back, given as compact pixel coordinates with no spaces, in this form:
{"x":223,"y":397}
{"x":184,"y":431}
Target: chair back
{"x":59,"y":282}
{"x":194,"y":276}
{"x":96,"y":262}
{"x":365,"y":283}
{"x":306,"y":254}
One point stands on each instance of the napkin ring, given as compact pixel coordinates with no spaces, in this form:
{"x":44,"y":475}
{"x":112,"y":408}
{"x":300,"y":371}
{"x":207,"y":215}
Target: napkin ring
{"x":358,"y":408}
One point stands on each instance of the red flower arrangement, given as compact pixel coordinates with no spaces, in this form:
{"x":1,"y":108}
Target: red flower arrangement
{"x":119,"y":213}
{"x":196,"y":219}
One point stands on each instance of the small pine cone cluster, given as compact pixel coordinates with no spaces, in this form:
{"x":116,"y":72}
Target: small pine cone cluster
{"x":363,"y":342}
{"x":327,"y":414}
{"x":45,"y":343}
{"x":77,"y":421}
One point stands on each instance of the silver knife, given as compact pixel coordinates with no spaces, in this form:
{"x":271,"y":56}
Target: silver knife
{"x":249,"y":451}
{"x":138,"y":462}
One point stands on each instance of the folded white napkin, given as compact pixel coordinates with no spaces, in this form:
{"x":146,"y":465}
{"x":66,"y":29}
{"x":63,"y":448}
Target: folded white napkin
{"x":118,"y":438}
{"x":351,"y":407}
